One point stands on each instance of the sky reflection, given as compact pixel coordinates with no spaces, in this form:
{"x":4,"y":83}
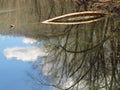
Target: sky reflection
{"x":13,"y":72}
{"x":24,"y":53}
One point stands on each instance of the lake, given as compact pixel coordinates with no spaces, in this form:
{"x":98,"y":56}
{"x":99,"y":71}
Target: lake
{"x":79,"y":50}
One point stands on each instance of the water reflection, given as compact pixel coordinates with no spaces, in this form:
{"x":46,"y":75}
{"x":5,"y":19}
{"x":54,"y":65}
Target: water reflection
{"x":12,"y":73}
{"x":24,"y":53}
{"x":78,"y":57}
{"x":87,"y":57}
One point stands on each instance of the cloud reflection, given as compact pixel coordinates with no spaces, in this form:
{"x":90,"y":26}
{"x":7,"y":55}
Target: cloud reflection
{"x":25,"y":53}
{"x":29,"y":40}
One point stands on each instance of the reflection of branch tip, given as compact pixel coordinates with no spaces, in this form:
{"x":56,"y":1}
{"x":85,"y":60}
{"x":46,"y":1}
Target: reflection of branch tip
{"x":44,"y":22}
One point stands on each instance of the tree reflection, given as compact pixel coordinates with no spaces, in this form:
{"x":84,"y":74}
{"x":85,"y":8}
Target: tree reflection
{"x":85,"y":57}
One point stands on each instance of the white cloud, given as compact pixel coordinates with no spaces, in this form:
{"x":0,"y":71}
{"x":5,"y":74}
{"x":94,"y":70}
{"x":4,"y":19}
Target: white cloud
{"x":25,"y":53}
{"x":29,"y":40}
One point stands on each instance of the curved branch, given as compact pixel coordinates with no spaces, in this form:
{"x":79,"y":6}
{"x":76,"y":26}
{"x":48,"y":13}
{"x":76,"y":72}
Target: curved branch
{"x":82,"y":51}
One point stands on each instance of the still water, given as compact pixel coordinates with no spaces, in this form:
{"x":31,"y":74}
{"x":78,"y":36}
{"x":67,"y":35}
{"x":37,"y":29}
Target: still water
{"x":16,"y":62}
{"x":37,"y":56}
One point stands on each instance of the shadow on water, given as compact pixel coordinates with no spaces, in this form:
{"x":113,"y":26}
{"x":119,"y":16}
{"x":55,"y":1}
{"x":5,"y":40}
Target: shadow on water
{"x":80,"y":57}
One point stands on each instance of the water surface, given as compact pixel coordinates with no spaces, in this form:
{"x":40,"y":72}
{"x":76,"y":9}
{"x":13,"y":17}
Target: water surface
{"x":36,"y":56}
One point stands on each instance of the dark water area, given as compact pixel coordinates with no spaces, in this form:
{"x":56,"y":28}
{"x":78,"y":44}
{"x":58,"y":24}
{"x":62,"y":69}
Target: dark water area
{"x":37,"y":56}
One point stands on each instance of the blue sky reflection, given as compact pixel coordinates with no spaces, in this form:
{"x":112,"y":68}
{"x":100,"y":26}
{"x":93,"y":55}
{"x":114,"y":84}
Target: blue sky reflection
{"x":13,"y":72}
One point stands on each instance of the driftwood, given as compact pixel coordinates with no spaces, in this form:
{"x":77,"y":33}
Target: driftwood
{"x":78,"y":18}
{"x":90,"y":12}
